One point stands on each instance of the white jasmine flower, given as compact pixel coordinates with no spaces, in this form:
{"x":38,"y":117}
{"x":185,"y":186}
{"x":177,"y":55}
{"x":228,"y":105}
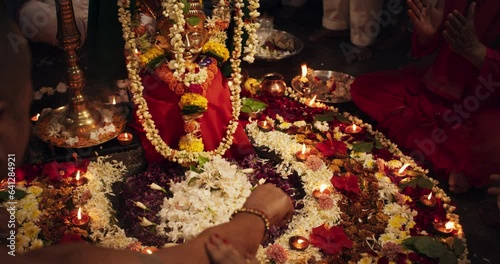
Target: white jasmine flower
{"x":157,"y":187}
{"x":146,"y":222}
{"x":141,"y":205}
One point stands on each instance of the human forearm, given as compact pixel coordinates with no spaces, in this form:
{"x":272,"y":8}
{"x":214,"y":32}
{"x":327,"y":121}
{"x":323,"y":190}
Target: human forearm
{"x":477,"y":55}
{"x":245,"y":232}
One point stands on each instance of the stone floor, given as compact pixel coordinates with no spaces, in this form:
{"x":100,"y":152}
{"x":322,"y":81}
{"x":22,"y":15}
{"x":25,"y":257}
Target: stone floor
{"x":325,"y":55}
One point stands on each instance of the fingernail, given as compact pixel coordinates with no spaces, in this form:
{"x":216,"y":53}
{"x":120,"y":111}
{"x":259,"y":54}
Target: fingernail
{"x":216,"y":235}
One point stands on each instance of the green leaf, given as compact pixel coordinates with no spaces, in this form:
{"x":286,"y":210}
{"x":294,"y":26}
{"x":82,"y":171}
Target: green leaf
{"x":254,"y":105}
{"x":192,"y":181}
{"x":458,"y":247}
{"x":424,"y":183}
{"x":325,"y":117}
{"x":18,"y":195}
{"x":378,"y":145}
{"x":193,"y":21}
{"x":409,"y":243}
{"x":431,"y":247}
{"x":362,"y":146}
{"x":246,"y":109}
{"x":342,"y":119}
{"x":448,"y":258}
{"x":202,"y":161}
{"x":185,"y":10}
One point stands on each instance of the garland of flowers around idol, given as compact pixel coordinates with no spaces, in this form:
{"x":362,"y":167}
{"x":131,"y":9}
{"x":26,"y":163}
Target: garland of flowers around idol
{"x":133,"y":66}
{"x":400,"y":216}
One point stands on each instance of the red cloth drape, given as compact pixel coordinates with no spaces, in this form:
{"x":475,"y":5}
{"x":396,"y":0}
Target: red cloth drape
{"x":166,"y":113}
{"x":446,"y":114}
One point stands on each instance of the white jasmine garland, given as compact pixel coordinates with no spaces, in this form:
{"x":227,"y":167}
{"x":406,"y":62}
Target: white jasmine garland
{"x":173,"y":9}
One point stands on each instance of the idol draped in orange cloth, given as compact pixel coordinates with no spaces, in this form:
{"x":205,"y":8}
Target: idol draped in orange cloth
{"x":449,"y":113}
{"x":164,"y":107}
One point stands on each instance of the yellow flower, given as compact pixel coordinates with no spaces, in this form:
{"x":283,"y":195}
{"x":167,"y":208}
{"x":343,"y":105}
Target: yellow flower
{"x":35,"y":190}
{"x":191,"y":144}
{"x":31,"y":230}
{"x":397,"y":221}
{"x":37,"y":243}
{"x":216,"y":49}
{"x":150,"y":55}
{"x":192,"y":99}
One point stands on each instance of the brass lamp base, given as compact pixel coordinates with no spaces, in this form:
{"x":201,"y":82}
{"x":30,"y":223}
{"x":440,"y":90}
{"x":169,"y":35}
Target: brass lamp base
{"x":57,"y":128}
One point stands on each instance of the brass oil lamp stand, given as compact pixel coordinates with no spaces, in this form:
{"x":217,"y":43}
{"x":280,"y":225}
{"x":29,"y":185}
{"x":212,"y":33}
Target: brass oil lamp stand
{"x":76,"y":121}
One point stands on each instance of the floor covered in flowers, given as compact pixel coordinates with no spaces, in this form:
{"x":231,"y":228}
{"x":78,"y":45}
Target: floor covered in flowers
{"x":482,"y":240}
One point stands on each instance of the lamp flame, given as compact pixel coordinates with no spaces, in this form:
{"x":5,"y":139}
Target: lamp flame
{"x":303,"y":151}
{"x":265,"y":123}
{"x":304,"y":70}
{"x":313,"y":100}
{"x":149,"y":251}
{"x":114,"y":100}
{"x":403,"y":168}
{"x":300,"y":241}
{"x":354,"y":127}
{"x":79,"y":214}
{"x":450,"y":225}
{"x":77,"y":176}
{"x":126,"y":135}
{"x":322,"y":188}
{"x":429,"y":197}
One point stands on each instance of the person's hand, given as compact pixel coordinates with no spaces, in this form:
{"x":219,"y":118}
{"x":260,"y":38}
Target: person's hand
{"x":426,"y":18}
{"x":220,"y":251}
{"x":461,"y":34}
{"x":273,"y":202}
{"x":495,"y":190}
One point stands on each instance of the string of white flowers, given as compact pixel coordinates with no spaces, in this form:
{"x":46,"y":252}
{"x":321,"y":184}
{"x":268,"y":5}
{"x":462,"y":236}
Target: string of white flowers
{"x":133,"y":66}
{"x":251,"y":27}
{"x":174,"y":10}
{"x":101,"y":176}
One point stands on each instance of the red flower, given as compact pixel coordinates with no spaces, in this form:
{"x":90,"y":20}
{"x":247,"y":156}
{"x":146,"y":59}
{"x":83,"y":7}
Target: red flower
{"x":348,"y":183}
{"x":331,"y":148}
{"x":331,"y":241}
{"x":195,"y":88}
{"x":57,"y":171}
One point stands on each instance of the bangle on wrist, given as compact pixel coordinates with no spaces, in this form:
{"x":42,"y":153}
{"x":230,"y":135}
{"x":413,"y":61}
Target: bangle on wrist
{"x":259,"y":213}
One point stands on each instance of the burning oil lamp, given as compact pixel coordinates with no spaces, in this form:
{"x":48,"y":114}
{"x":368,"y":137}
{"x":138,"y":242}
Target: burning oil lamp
{"x":401,"y":172}
{"x":312,"y":103}
{"x":299,"y":243}
{"x":125,"y":138}
{"x":265,"y":126}
{"x":79,"y":179}
{"x":302,"y":154}
{"x":323,"y":190}
{"x":445,"y":228}
{"x":81,"y":220}
{"x":35,"y":117}
{"x":149,"y":250}
{"x":353,"y":129}
{"x":303,"y":77}
{"x":428,"y":200}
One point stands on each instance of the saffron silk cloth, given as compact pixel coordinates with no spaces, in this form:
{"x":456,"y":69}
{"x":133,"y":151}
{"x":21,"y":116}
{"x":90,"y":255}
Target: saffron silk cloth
{"x":446,"y":114}
{"x":164,"y":107}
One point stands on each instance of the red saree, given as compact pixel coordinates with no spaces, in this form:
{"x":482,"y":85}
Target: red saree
{"x":446,"y":114}
{"x":166,"y":113}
